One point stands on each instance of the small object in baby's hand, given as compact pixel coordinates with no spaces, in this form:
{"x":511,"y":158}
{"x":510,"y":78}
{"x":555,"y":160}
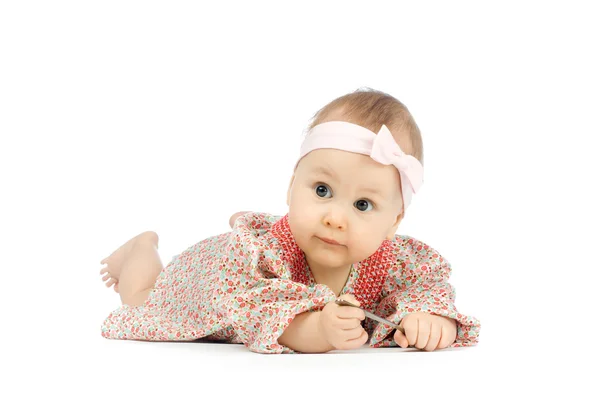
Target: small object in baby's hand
{"x":370,"y":315}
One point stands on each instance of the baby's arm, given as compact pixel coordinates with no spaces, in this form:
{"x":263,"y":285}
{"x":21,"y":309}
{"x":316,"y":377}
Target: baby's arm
{"x":420,"y":284}
{"x":303,"y":334}
{"x":236,"y":216}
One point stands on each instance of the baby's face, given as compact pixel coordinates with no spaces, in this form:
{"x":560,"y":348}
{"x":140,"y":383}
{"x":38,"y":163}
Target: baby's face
{"x":344,"y":197}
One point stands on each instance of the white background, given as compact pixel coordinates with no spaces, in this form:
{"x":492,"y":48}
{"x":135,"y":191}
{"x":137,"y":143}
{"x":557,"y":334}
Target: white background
{"x":118,"y":117}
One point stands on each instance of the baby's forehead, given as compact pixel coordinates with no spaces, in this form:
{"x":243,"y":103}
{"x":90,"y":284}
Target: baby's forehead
{"x":351,"y":169}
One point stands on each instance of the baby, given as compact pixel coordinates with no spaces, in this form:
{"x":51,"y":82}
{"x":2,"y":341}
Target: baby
{"x":272,"y":282}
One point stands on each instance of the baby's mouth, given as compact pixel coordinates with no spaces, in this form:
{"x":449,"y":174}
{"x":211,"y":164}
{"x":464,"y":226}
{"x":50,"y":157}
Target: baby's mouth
{"x":329,"y":241}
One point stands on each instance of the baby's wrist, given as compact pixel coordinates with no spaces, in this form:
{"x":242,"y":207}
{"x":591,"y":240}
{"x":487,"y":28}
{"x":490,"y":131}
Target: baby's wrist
{"x":321,"y":332}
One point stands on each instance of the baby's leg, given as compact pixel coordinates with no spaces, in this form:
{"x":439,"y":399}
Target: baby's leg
{"x":134,"y":268}
{"x":139,"y":273}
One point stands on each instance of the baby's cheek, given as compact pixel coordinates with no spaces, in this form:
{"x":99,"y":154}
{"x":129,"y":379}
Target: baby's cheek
{"x":299,"y":227}
{"x":363,"y":249}
{"x":298,"y":221}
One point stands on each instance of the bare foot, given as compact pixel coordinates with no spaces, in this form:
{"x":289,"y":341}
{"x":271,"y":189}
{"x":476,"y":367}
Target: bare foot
{"x":114,"y":262}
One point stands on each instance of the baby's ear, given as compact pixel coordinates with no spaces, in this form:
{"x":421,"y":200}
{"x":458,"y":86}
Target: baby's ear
{"x":394,"y":227}
{"x":289,"y":192}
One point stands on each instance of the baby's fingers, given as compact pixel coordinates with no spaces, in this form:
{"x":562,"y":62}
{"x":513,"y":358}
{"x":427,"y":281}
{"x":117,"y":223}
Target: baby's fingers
{"x":346,"y":323}
{"x":434,"y":337}
{"x":400,"y":339}
{"x":354,"y":342}
{"x":411,"y":329}
{"x":448,"y":336}
{"x":424,"y":332}
{"x":346,"y":312}
{"x":351,"y":299}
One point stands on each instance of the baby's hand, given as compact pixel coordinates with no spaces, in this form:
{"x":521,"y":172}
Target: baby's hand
{"x":426,"y":331}
{"x":340,"y":325}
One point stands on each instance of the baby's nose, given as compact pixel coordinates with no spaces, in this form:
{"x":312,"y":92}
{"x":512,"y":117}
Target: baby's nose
{"x":336,"y":221}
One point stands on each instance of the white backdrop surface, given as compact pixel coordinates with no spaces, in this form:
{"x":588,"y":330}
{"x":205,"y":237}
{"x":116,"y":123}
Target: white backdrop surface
{"x":118,"y":117}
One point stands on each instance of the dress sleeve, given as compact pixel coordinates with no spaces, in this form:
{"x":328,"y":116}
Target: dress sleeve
{"x":418,"y":282}
{"x":256,"y":295}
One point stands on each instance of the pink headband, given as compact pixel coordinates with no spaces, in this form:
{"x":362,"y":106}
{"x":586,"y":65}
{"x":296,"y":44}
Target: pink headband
{"x":381,"y":147}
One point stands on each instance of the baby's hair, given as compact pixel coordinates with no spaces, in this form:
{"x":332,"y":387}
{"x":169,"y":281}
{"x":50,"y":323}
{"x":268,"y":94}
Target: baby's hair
{"x":371,"y":109}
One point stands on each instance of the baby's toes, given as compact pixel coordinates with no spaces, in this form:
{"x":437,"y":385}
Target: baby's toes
{"x":111,"y":282}
{"x":106,"y":277}
{"x":116,"y":287}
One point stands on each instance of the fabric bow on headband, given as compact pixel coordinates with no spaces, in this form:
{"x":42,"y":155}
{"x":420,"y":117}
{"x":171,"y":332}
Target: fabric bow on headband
{"x":381,"y":147}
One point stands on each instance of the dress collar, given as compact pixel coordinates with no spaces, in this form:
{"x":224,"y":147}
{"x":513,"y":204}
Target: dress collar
{"x":372,"y":271}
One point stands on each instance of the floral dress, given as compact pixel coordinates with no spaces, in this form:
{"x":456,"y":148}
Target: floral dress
{"x":246,"y":286}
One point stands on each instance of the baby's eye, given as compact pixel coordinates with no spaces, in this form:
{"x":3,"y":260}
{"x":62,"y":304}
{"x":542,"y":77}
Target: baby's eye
{"x":323,"y":191}
{"x":363,"y":205}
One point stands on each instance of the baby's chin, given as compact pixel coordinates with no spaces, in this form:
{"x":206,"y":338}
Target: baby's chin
{"x":328,"y":257}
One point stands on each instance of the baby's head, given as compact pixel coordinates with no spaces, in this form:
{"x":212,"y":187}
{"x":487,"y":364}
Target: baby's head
{"x":345,"y":195}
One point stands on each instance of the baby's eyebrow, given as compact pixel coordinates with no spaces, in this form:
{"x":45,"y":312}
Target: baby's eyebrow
{"x":325,"y":171}
{"x":328,"y":172}
{"x":372,"y":191}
